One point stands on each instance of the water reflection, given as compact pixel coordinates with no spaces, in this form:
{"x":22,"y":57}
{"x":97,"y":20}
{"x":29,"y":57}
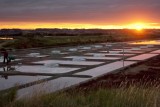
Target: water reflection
{"x":26,"y":76}
{"x":7,"y":69}
{"x":151,"y":42}
{"x":6,"y":38}
{"x":4,"y":76}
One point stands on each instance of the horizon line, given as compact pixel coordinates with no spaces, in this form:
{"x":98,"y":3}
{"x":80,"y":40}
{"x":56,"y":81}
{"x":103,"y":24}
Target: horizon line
{"x":83,"y":28}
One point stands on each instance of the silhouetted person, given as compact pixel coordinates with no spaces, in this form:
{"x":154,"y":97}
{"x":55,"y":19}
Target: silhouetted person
{"x":5,"y":56}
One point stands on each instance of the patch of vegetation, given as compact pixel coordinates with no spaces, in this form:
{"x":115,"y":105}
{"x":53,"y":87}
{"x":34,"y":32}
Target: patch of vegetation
{"x":6,"y":98}
{"x":122,"y":97}
{"x":38,"y":41}
{"x":30,"y":42}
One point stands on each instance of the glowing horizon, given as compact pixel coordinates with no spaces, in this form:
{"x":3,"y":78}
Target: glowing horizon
{"x":34,"y":25}
{"x":71,"y":14}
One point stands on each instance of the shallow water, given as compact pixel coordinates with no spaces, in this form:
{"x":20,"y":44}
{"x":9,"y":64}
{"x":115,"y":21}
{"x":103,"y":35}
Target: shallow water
{"x":11,"y":81}
{"x":50,"y":86}
{"x":70,"y":62}
{"x":157,"y":51}
{"x":142,"y":57}
{"x":96,"y":58}
{"x":106,"y":68}
{"x":150,"y":42}
{"x":41,"y":69}
{"x":105,"y":54}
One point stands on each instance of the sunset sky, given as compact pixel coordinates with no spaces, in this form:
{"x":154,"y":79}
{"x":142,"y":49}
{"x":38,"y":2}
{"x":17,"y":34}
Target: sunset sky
{"x":106,"y":14}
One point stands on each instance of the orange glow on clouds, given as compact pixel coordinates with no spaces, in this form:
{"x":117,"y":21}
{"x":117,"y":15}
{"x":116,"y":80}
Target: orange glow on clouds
{"x":32,"y":25}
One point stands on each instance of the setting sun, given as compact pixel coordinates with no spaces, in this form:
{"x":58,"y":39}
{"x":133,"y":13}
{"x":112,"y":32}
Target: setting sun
{"x":138,"y":26}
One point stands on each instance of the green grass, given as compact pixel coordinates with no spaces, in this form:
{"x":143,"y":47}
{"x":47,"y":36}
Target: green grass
{"x":123,"y":97}
{"x":7,"y":97}
{"x":31,"y":42}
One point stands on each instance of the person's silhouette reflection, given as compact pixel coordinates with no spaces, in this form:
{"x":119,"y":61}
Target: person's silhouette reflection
{"x":7,"y":69}
{"x":5,"y":76}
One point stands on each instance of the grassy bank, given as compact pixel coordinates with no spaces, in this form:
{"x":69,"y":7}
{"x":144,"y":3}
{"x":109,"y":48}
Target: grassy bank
{"x":31,"y":42}
{"x":8,"y":97}
{"x":122,"y":97}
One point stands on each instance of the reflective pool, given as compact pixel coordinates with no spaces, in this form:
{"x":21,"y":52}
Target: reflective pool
{"x":142,"y":57}
{"x":151,"y":42}
{"x":11,"y":81}
{"x":39,"y":69}
{"x":66,"y":62}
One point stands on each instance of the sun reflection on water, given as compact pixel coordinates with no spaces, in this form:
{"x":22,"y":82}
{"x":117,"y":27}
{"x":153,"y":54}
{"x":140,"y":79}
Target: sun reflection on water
{"x":6,"y":38}
{"x":151,"y":42}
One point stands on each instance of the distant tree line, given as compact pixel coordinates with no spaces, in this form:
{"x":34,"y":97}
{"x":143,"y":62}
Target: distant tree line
{"x":11,"y":32}
{"x":127,"y":33}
